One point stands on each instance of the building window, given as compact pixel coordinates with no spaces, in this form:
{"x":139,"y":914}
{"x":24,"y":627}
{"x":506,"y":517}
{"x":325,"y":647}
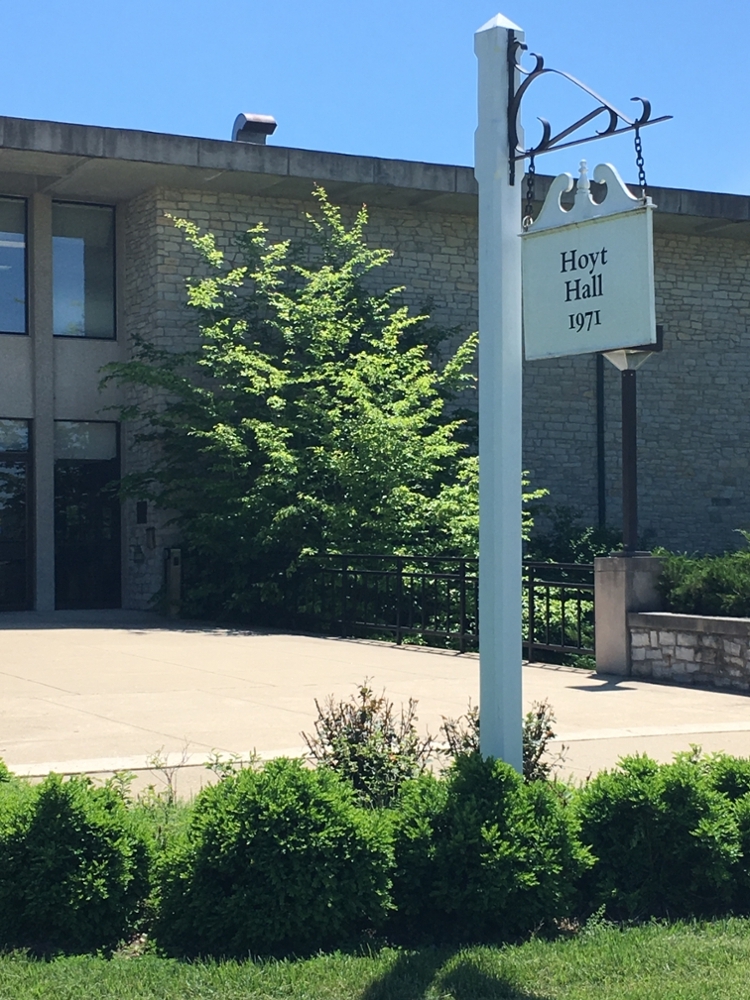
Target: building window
{"x":15,"y":519}
{"x":83,"y":270}
{"x":12,"y":265}
{"x":87,"y":441}
{"x":14,"y":435}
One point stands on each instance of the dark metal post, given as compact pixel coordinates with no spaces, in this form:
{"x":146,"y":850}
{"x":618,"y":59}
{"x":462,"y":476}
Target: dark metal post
{"x":601,"y":481}
{"x":400,"y":584}
{"x":629,"y":464}
{"x":344,"y":596}
{"x":531,"y":612}
{"x":462,"y":606}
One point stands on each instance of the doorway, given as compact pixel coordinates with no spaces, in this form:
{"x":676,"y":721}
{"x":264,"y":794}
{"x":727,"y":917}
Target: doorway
{"x":87,"y":515}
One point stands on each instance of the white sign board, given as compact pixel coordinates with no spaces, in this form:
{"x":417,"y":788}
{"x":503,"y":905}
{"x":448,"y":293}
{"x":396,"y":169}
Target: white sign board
{"x":588,"y":274}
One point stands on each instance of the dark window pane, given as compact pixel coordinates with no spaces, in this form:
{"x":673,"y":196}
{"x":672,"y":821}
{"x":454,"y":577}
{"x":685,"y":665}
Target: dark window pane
{"x":83,"y":264}
{"x":13,"y":537}
{"x":85,"y":440}
{"x":12,"y":266}
{"x":14,"y":435}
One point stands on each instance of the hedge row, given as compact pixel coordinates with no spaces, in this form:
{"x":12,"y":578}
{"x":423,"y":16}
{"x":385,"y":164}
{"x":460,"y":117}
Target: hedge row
{"x":285,"y":859}
{"x":707,"y":585}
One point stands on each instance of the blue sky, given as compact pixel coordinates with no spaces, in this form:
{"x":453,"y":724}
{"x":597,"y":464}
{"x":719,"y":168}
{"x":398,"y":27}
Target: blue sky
{"x":393,"y":78}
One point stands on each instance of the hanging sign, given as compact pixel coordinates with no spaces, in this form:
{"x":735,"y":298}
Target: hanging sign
{"x":588,"y":273}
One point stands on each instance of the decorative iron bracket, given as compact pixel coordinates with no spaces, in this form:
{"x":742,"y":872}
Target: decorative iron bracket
{"x":618,"y":122}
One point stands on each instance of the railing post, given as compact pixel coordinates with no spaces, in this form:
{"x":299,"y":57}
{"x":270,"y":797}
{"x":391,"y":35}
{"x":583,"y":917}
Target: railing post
{"x":400,"y":593}
{"x":531,"y":614}
{"x":462,"y":610}
{"x":344,"y":594}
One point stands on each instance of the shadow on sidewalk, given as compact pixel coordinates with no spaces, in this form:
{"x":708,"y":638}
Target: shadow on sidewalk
{"x":143,"y":622}
{"x":608,"y":684}
{"x":115,"y":618}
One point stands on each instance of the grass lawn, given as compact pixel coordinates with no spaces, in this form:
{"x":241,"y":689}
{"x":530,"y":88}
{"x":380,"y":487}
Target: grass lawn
{"x":655,"y":962}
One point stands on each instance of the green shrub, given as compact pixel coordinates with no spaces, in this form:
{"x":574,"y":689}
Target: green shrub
{"x":667,"y":842}
{"x":73,"y":868}
{"x":566,"y":538}
{"x":482,"y":855}
{"x":15,"y":798}
{"x":741,"y":809}
{"x":706,"y":585}
{"x":366,"y":742}
{"x":276,"y":861}
{"x":461,"y":737}
{"x":416,"y":817}
{"x":729,"y":775}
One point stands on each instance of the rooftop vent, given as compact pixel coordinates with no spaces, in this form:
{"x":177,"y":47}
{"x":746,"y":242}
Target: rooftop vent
{"x":253,"y":128}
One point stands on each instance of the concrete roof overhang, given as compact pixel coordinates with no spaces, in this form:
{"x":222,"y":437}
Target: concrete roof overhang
{"x":90,"y":163}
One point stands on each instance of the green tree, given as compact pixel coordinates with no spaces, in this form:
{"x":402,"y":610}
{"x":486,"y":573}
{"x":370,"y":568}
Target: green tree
{"x":311,"y":417}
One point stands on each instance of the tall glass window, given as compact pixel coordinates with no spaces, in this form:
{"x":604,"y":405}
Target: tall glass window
{"x":12,"y":265}
{"x":83,"y":270}
{"x":15,"y":528}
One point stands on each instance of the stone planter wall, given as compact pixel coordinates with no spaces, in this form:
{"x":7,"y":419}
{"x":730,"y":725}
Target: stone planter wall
{"x":690,"y":649}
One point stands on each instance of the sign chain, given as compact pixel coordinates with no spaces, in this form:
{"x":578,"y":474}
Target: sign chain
{"x":639,"y":162}
{"x":528,"y":217}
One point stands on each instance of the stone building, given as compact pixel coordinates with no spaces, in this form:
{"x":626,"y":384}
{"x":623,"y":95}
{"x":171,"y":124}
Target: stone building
{"x":88,"y":259}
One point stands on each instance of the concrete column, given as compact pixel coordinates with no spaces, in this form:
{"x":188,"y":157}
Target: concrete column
{"x":40,"y":315}
{"x":621,"y":584}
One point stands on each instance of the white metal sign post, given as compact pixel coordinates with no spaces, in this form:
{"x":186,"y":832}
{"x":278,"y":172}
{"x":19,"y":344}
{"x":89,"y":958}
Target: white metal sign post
{"x":500,"y":361}
{"x":498,"y":149}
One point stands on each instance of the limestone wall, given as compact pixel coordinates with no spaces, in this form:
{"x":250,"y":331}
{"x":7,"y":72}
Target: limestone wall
{"x":690,"y":649}
{"x":144,"y":315}
{"x":694,"y":421}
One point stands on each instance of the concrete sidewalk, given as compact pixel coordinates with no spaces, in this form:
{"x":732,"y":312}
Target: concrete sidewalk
{"x":102,"y":691}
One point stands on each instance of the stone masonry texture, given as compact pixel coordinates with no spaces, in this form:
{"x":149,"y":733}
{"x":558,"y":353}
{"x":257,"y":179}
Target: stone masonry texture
{"x":694,"y":421}
{"x":686,"y":649}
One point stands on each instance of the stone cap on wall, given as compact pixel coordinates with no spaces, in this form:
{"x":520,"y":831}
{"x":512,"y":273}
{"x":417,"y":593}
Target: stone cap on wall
{"x":110,"y":164}
{"x":708,"y":624}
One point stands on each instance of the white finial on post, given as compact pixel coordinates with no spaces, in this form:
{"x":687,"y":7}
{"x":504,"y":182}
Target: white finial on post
{"x":500,"y":371}
{"x":584,"y":184}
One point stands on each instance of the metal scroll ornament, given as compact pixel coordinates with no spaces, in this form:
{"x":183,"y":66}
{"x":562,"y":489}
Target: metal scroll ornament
{"x":617,"y":124}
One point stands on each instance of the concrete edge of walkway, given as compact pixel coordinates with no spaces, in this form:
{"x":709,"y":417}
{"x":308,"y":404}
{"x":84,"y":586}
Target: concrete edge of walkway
{"x":177,"y":759}
{"x":149,"y":762}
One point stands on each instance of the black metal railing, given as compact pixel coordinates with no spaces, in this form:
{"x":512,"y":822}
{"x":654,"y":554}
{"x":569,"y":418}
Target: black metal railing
{"x":432,"y":598}
{"x":435,"y":600}
{"x":558,"y":608}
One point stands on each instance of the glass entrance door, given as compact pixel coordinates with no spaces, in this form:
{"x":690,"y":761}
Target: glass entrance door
{"x":15,"y":526}
{"x":87,"y":516}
